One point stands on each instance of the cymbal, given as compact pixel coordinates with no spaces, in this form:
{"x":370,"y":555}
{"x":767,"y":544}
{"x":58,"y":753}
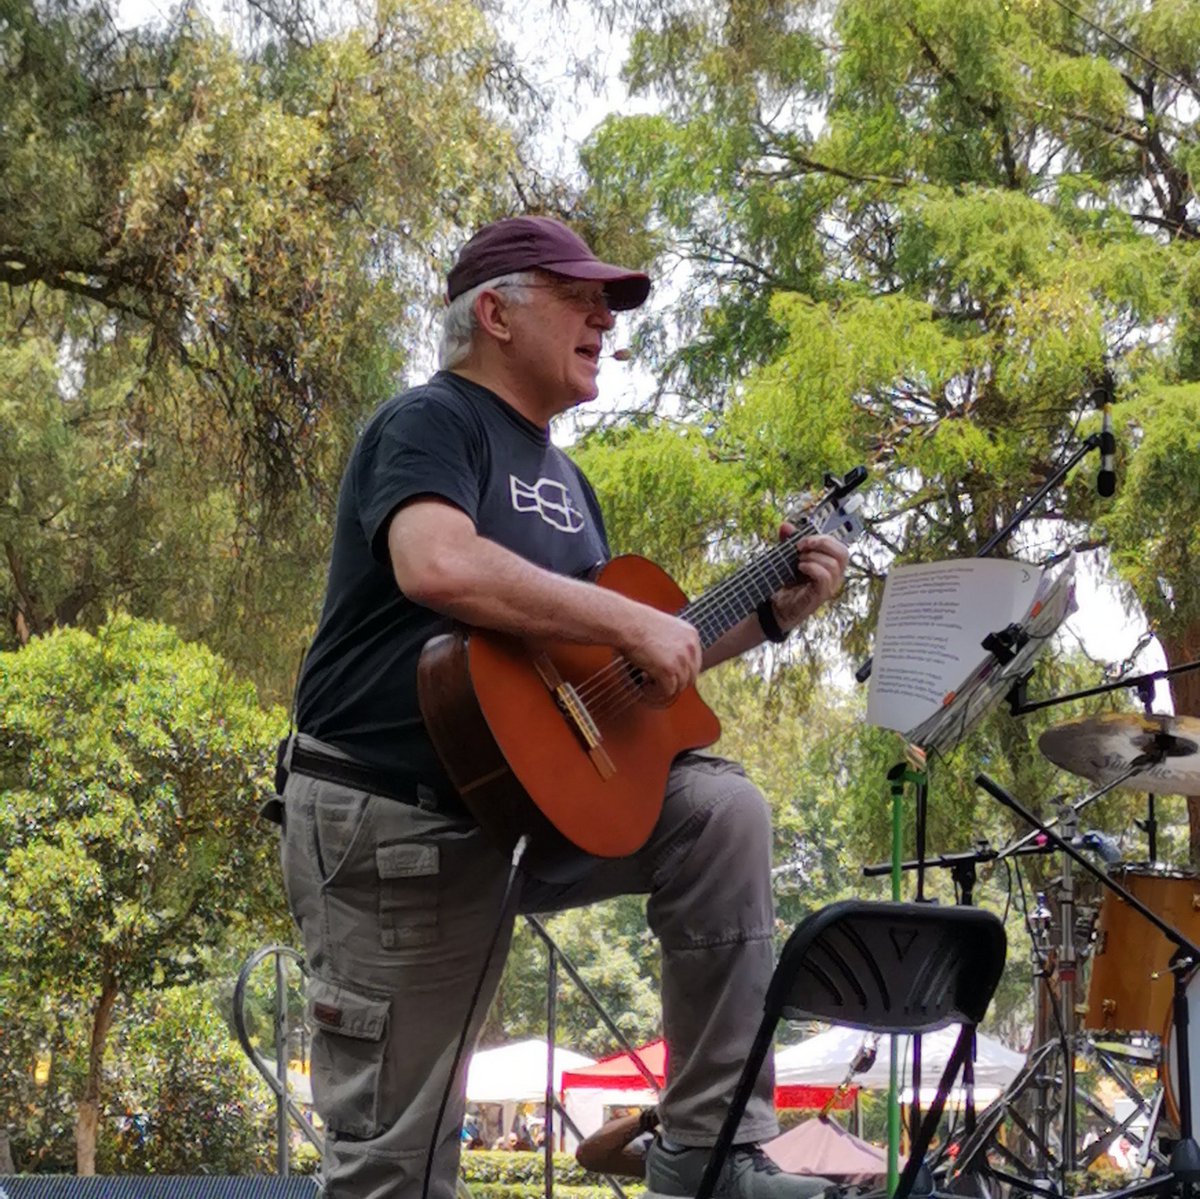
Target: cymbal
{"x":1101,"y":747}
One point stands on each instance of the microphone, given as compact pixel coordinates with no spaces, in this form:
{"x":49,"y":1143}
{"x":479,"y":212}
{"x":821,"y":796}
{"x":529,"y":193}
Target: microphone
{"x":1102,"y":394}
{"x":622,"y":355}
{"x":1106,"y":480}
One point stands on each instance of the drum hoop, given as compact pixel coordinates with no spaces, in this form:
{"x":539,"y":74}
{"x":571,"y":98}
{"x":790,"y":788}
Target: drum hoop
{"x":1149,"y":870}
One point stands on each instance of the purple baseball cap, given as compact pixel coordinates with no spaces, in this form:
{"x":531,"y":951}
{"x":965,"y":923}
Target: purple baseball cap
{"x":521,"y":243}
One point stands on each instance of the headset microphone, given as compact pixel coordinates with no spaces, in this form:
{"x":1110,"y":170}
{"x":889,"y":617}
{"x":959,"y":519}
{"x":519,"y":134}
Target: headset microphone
{"x":622,"y":355}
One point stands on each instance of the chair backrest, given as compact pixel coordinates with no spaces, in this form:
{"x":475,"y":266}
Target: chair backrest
{"x":898,"y":967}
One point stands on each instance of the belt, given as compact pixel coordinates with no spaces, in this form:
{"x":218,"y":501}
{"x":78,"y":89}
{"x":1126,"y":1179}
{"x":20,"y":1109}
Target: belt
{"x":349,"y":773}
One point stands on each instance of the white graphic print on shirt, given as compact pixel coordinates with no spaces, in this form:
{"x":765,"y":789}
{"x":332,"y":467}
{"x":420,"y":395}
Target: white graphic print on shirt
{"x":550,"y":499}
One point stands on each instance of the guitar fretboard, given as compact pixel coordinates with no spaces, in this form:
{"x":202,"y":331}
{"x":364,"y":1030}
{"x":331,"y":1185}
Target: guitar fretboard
{"x":727,"y":604}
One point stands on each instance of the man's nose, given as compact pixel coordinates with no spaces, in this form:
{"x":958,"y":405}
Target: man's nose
{"x":602,"y":315}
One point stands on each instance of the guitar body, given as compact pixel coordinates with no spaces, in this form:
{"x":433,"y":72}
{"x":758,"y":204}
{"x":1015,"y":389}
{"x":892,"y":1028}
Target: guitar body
{"x":522,"y":765}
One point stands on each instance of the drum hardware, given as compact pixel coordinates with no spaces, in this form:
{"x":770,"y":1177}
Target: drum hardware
{"x":1184,"y":1161}
{"x":1100,"y":744}
{"x":1068,"y":823}
{"x":1069,"y":811}
{"x":1019,"y":1140}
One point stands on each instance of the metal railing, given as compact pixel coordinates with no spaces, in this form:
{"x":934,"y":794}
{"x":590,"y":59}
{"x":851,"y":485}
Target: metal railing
{"x":289,"y":1111}
{"x":275,"y":1074}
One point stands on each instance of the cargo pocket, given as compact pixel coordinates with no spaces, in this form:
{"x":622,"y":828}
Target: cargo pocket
{"x":408,"y":894}
{"x":347,"y":1056}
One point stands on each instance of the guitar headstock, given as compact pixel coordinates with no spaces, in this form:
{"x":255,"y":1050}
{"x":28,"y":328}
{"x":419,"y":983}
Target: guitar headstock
{"x":836,"y":512}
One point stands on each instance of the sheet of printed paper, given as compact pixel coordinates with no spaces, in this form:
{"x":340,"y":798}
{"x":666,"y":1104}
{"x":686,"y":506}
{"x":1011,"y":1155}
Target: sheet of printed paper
{"x":989,"y":684}
{"x":932,"y":623}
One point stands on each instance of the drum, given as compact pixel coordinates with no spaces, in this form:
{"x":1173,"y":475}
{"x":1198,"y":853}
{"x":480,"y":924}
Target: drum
{"x":1130,"y":986}
{"x":1168,"y":1069}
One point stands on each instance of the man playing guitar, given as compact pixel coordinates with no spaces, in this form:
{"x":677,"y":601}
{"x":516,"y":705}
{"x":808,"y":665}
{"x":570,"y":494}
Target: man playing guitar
{"x":457,"y":510}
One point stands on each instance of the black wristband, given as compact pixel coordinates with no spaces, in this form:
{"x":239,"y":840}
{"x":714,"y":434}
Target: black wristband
{"x":768,"y":623}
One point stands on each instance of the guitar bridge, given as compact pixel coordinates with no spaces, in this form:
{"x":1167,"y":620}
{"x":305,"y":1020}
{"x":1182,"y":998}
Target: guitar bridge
{"x":578,"y":717}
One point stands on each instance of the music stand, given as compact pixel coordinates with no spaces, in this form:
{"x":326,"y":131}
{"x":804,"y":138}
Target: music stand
{"x":1010,"y":655}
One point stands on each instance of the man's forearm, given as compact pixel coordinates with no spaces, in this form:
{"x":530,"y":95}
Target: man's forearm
{"x":496,"y":589}
{"x":742,"y":637}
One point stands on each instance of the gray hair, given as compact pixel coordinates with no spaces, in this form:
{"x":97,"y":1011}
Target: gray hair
{"x":459,"y":323}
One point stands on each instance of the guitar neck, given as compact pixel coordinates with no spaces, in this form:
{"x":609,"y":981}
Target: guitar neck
{"x":726,"y":605}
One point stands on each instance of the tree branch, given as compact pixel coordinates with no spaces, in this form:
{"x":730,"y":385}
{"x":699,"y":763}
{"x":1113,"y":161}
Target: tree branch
{"x":53,"y":276}
{"x":25,"y":621}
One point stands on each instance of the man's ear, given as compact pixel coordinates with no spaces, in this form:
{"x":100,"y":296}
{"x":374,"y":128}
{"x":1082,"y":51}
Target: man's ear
{"x":491,"y":314}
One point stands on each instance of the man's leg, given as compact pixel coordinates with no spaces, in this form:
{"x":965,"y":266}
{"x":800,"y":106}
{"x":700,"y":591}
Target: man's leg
{"x":707,"y":869}
{"x":397,"y":906}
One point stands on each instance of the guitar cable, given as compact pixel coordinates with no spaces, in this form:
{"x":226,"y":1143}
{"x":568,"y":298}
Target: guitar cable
{"x":518,"y":853}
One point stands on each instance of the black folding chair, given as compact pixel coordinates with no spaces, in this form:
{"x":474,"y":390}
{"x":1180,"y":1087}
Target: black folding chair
{"x":887,"y":968}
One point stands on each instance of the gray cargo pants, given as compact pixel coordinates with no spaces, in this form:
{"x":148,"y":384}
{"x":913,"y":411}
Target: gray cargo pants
{"x":397,"y":905}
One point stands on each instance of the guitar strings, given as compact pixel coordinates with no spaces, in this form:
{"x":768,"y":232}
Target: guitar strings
{"x":618,"y":684}
{"x":619,"y":674}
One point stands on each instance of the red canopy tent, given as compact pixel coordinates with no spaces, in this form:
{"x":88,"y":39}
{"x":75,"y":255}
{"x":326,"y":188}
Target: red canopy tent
{"x":620,"y":1073}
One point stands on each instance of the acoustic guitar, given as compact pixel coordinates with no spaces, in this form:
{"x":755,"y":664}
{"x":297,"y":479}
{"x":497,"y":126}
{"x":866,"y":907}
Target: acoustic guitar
{"x":554,"y":739}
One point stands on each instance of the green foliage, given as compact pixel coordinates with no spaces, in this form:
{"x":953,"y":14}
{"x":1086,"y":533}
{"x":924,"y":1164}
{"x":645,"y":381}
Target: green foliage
{"x":216,"y":255}
{"x":670,"y":492}
{"x":131,"y":767}
{"x":520,"y":1175}
{"x":531,"y":1190}
{"x":40,"y":1028}
{"x":513,"y":1168}
{"x":1153,"y":526}
{"x":617,"y":957}
{"x":183,"y":1097}
{"x":914,"y":235}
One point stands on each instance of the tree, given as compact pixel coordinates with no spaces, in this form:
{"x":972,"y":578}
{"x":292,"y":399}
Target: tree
{"x":185,"y":1100}
{"x":131,"y":766}
{"x":1155,"y":535}
{"x":920,"y":235}
{"x":216,"y":255}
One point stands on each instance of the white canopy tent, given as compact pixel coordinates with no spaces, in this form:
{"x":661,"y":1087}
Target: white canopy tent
{"x":513,"y":1074}
{"x":824,"y":1060}
{"x":517,"y":1072}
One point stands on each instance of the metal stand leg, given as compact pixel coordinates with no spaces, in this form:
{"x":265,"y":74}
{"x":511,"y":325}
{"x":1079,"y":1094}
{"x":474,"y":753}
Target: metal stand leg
{"x":1066,"y":1000}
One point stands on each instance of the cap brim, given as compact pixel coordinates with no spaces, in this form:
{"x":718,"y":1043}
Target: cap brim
{"x":625,"y":289}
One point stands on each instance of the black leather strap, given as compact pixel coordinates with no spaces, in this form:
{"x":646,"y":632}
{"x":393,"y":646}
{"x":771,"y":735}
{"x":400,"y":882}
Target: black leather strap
{"x":350,"y":774}
{"x":769,"y":623}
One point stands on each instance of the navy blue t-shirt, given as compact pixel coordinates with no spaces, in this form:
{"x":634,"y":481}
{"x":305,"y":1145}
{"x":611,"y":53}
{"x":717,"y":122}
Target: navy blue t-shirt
{"x":456,"y":440}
